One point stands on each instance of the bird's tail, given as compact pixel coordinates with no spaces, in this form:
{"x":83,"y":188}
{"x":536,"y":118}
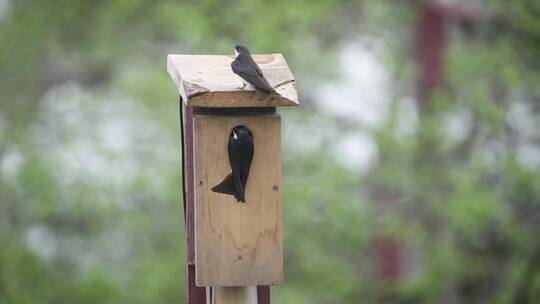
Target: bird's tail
{"x":265,"y":95}
{"x":227,"y":187}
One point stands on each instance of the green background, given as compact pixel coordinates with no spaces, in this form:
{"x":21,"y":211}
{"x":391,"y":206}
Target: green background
{"x":90,"y":197}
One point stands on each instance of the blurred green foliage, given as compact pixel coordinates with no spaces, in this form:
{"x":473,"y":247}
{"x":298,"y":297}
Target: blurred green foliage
{"x":90,"y":202}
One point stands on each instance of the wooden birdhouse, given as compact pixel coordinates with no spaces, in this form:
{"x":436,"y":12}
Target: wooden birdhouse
{"x":232,"y":243}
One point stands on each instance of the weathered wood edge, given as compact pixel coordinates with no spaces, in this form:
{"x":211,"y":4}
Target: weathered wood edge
{"x":194,"y":294}
{"x":200,"y":96}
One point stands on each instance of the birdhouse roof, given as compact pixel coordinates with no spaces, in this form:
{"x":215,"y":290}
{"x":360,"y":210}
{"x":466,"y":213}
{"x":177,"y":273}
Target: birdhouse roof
{"x":208,"y":81}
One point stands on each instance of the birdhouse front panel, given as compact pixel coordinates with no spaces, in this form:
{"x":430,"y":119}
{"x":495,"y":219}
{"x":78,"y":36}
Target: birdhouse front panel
{"x":238,"y":238}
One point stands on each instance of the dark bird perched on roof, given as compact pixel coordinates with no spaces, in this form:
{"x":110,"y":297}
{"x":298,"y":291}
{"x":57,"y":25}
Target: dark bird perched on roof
{"x":240,"y":150}
{"x":244,"y":66}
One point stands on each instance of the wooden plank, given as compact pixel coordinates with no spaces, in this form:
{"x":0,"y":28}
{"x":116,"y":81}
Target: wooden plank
{"x":194,"y":294}
{"x":208,"y":81}
{"x":189,"y":194}
{"x":238,"y":244}
{"x":234,"y":295}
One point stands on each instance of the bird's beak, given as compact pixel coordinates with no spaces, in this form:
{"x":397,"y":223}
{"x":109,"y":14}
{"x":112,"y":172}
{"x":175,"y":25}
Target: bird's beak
{"x":236,"y":53}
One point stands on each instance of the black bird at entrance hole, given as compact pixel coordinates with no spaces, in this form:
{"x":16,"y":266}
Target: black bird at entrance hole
{"x":240,"y":150}
{"x":244,"y":66}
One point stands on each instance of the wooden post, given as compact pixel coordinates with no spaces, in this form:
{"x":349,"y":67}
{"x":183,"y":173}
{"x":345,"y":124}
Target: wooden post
{"x":195,"y":294}
{"x":234,"y":295}
{"x":234,"y":250}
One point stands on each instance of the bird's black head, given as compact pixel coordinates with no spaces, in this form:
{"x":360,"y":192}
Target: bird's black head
{"x":242,"y":49}
{"x":241,"y":133}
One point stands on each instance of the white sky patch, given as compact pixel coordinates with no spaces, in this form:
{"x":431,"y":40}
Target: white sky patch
{"x":302,"y":135}
{"x":458,"y":124}
{"x":520,"y":116}
{"x":356,"y":151}
{"x":361,"y":90}
{"x":101,"y":137}
{"x":407,"y":117}
{"x":111,"y":248}
{"x":106,"y":141}
{"x":4,"y":8}
{"x":11,"y":162}
{"x":529,"y":155}
{"x":82,"y":158}
{"x":360,"y":94}
{"x":522,"y":119}
{"x":41,"y":241}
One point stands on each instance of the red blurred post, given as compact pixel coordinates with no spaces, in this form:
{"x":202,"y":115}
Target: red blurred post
{"x":390,"y":261}
{"x":431,"y":39}
{"x":430,"y":44}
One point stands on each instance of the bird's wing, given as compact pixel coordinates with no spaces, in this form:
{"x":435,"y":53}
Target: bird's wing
{"x":235,"y":160}
{"x":261,"y":76}
{"x":252,"y":74}
{"x":246,"y":164}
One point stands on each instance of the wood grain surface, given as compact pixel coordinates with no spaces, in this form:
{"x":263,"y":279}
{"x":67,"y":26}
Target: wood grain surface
{"x":238,"y":244}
